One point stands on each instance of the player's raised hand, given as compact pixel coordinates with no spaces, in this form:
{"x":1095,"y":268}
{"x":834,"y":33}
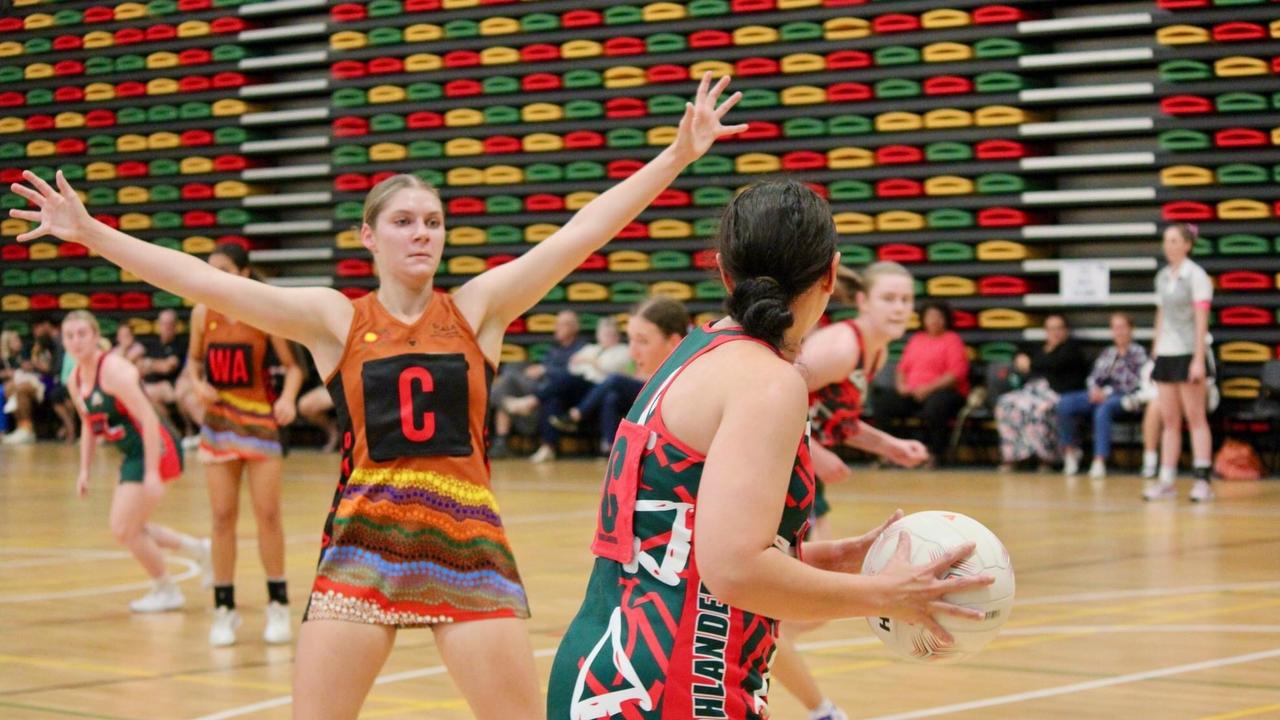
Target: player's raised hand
{"x":701,"y":125}
{"x":59,"y":212}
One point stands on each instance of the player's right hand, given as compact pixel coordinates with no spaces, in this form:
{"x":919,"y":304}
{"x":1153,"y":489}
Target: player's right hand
{"x":60,"y":212}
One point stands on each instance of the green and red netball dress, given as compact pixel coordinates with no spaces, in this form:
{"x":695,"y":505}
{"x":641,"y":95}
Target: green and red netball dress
{"x":835,"y":410}
{"x":651,"y":641}
{"x":107,"y":418}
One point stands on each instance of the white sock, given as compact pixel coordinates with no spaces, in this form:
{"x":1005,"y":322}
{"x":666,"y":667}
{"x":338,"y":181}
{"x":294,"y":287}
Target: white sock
{"x":826,"y":708}
{"x":191,"y":545}
{"x":1150,"y":458}
{"x":164,"y":582}
{"x":1168,"y":474}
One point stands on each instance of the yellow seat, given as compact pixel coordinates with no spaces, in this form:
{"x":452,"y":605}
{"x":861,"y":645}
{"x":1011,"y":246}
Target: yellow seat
{"x":11,"y":49}
{"x":1275,"y":28}
{"x":717,"y":68}
{"x":673,"y":289}
{"x":578,"y":200}
{"x":1244,"y":352}
{"x":628,"y":261}
{"x":195,"y":165}
{"x":161,"y":60}
{"x":661,"y":136}
{"x":457,"y":4}
{"x":757,"y":163}
{"x":40,"y":148}
{"x":541,"y":112}
{"x":898,"y":121}
{"x":131,"y":11}
{"x":853,"y":222}
{"x":586,"y":292}
{"x":1002,"y":319}
{"x":1187,"y":175}
{"x":663,"y":12}
{"x":11,"y":302}
{"x":99,"y":92}
{"x":423,"y":62}
{"x":1241,"y":388}
{"x":135,"y":221}
{"x":463,"y":147}
{"x":540,"y":323}
{"x":422,"y":32}
{"x":847,"y":158}
{"x":467,"y":236}
{"x":1182,"y":35}
{"x":350,"y":40}
{"x":1275,"y":136}
{"x":947,"y":118}
{"x":803,"y":63}
{"x":755,"y":35}
{"x":37,"y":71}
{"x":950,"y":286}
{"x":538,"y":232}
{"x":499,"y":26}
{"x":100,"y":171}
{"x":193,"y":28}
{"x":167,"y":141}
{"x":465,"y":265}
{"x":198,"y":245}
{"x":499,"y":55}
{"x":1243,"y":209}
{"x":37,"y":21}
{"x":230,"y":106}
{"x":381,"y":94}
{"x":73,"y":301}
{"x":512,"y":353}
{"x":1005,"y":250}
{"x":132,"y":195}
{"x":128,"y":277}
{"x":463,"y":117}
{"x":542,"y":142}
{"x":899,"y":221}
{"x":12,"y":125}
{"x":234,"y":189}
{"x":503,"y":175}
{"x":41,"y":250}
{"x":348,"y":240}
{"x":66,"y":120}
{"x":948,"y":185}
{"x":946,"y":52}
{"x":460,"y":176}
{"x":803,"y":95}
{"x":575,"y":49}
{"x":98,"y":39}
{"x":670,"y":229}
{"x":388,"y":152}
{"x":13,"y":226}
{"x":1240,"y":66}
{"x":162,"y":86}
{"x":131,"y":143}
{"x":624,"y":76}
{"x":1001,"y":115}
{"x":944,"y":18}
{"x":797,"y":4}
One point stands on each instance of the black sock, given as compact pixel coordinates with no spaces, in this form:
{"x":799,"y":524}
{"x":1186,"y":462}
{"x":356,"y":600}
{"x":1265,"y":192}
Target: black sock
{"x":278,"y":591}
{"x":224,"y":596}
{"x":1201,"y":473}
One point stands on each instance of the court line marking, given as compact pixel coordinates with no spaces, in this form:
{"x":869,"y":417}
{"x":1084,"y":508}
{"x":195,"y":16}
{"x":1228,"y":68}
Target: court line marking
{"x":1148,"y":592}
{"x":1083,"y":686}
{"x":1246,"y":712}
{"x":192,"y":570}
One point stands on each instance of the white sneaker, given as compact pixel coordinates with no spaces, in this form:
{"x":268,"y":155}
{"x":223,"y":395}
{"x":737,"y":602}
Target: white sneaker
{"x":828,"y":711}
{"x":161,"y":599}
{"x":546,"y":453}
{"x":191,"y":442}
{"x":1149,"y":472}
{"x":21,"y":436}
{"x":1098,"y":469}
{"x":1070,"y":463}
{"x":225,"y":624}
{"x":1159,"y":491}
{"x":1202,"y":491}
{"x":277,"y":631}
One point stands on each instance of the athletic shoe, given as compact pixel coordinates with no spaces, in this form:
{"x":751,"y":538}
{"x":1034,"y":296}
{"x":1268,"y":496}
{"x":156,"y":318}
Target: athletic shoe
{"x":563,"y":423}
{"x":546,"y":453}
{"x":1098,"y":469}
{"x":1070,"y":463}
{"x":1159,"y":491}
{"x":277,"y":631}
{"x":21,"y":436}
{"x":1202,"y":491}
{"x":827,"y":712}
{"x":162,"y":598}
{"x":225,"y":623}
{"x":1149,"y":472}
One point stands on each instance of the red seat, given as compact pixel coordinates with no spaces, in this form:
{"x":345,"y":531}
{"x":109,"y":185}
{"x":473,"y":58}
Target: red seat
{"x":895,"y":23}
{"x":1239,"y":32}
{"x":225,"y":80}
{"x":1244,"y":280}
{"x":466,"y":206}
{"x":517,"y":327}
{"x":14,"y":252}
{"x":196,"y":138}
{"x":842,"y":3}
{"x":228,"y":25}
{"x":101,"y":301}
{"x":759,"y":130}
{"x":703,"y":39}
{"x":195,"y":84}
{"x":68,"y":42}
{"x":99,"y":118}
{"x":354,"y":292}
{"x":899,"y":155}
{"x":70,"y":146}
{"x":633,"y":231}
{"x":619,"y":169}
{"x":544,"y":202}
{"x":110,"y":221}
{"x":666,"y":74}
{"x":1186,"y":210}
{"x":583,"y":139}
{"x":581,"y":19}
{"x":541,"y":82}
{"x":69,"y":94}
{"x":132,"y":169}
{"x":194,"y":5}
{"x":197,"y":191}
{"x":72,"y":250}
{"x":461,"y":58}
{"x":161,"y":32}
{"x":351,"y":182}
{"x":199,"y":218}
{"x":1003,"y":285}
{"x":900,"y":252}
{"x":1181,"y":4}
{"x":424,"y":119}
{"x":414,"y":6}
{"x":1240,"y":137}
{"x":131,"y":88}
{"x":848,"y":60}
{"x":899,"y":187}
{"x":378,"y":177}
{"x":963,"y":320}
{"x":745,"y":6}
{"x":347,"y":70}
{"x":1003,"y":217}
{"x":1185,"y":105}
{"x":849,"y":92}
{"x":494,"y":261}
{"x":463,"y":88}
{"x":130,"y":36}
{"x":386,"y":66}
{"x":230,"y":163}
{"x":625,"y":107}
{"x":98,"y":14}
{"x":347,"y":12}
{"x":195,"y":56}
{"x":12,"y":99}
{"x":10,"y":24}
{"x":948,"y":85}
{"x":64,"y":68}
{"x":354,"y":267}
{"x":623,"y":46}
{"x":1245,"y":316}
{"x":502,"y":145}
{"x":804,"y":160}
{"x":45,"y":301}
{"x":1000,"y":150}
{"x":539,"y":52}
{"x":350,"y":127}
{"x":997,"y":14}
{"x":46,"y":122}
{"x":705,"y":260}
{"x":746,"y":67}
{"x":672,"y":197}
{"x":11,"y":175}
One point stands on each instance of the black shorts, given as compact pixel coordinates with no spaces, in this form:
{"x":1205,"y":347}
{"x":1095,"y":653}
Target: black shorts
{"x":1174,"y":368}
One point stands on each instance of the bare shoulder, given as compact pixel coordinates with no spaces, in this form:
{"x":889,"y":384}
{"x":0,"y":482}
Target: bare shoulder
{"x":117,"y":372}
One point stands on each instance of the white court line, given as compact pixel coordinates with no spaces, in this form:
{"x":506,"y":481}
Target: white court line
{"x":1083,"y":686}
{"x":192,"y":570}
{"x":1148,"y":592}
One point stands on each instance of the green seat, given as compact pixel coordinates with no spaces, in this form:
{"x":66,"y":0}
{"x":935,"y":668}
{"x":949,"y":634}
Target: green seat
{"x":459,"y":29}
{"x":1203,"y":247}
{"x":9,"y":201}
{"x":44,"y":276}
{"x":73,"y":276}
{"x":999,"y":82}
{"x":846,"y":190}
{"x":166,"y":220}
{"x":66,"y":17}
{"x":385,"y":36}
{"x":897,"y":88}
{"x":236,"y":216}
{"x":709,"y":290}
{"x":383,"y":8}
{"x":535,"y":22}
{"x":425,"y":149}
{"x":1275,"y":101}
{"x":162,"y":114}
{"x":1242,"y":174}
{"x":996,"y":47}
{"x":1275,"y":173}
{"x":851,"y":254}
{"x":665,"y":43}
{"x":15,"y":277}
{"x":1182,"y":140}
{"x":583,"y":110}
{"x":103,"y":274}
{"x":712,"y":165}
{"x":228,"y":53}
{"x":11,"y":73}
{"x":849,"y":125}
{"x":503,"y":205}
{"x":584,"y":170}
{"x":1240,"y":102}
{"x":350,"y":155}
{"x":501,"y":115}
{"x":131,"y":116}
{"x":423,"y":91}
{"x":800,"y":32}
{"x":100,"y":196}
{"x":583,"y":78}
{"x":670,"y":260}
{"x":588,"y":321}
{"x":100,"y":144}
{"x":1238,"y":2}
{"x":162,"y":300}
{"x":555,"y":294}
{"x":623,"y":15}
{"x":628,"y":291}
{"x":711,"y":196}
{"x":23,"y":328}
{"x":949,"y":252}
{"x":37,"y":46}
{"x":947,"y":218}
{"x":99,"y":65}
{"x":165,"y":193}
{"x":625,"y":138}
{"x":230,"y":135}
{"x":549,"y":172}
{"x":500,"y":85}
{"x":753,"y":98}
{"x":386,"y":123}
{"x":130,"y":63}
{"x":997,"y":351}
{"x":999,"y":183}
{"x":1185,"y":71}
{"x":195,"y":110}
{"x":948,"y":152}
{"x":72,"y":172}
{"x":160,"y":8}
{"x":348,"y":210}
{"x":166,"y":242}
{"x":843,"y":314}
{"x":348,"y":97}
{"x":1243,"y":244}
{"x":12,"y":151}
{"x":231,"y":3}
{"x":431,"y":176}
{"x":669,"y":104}
{"x":538,"y":351}
{"x":896,"y":55}
{"x":40,"y":96}
{"x":108,"y":326}
{"x":44,"y":172}
{"x":504,"y":235}
{"x":706,"y":227}
{"x":800,"y":127}
{"x":708,"y":8}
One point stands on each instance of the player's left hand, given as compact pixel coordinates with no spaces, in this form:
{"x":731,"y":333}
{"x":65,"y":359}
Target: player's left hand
{"x":700,"y":126}
{"x":284,"y":411}
{"x":908,"y":453}
{"x":853,"y":550}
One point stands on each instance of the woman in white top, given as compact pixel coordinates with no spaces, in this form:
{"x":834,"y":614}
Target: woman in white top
{"x":1182,"y":363}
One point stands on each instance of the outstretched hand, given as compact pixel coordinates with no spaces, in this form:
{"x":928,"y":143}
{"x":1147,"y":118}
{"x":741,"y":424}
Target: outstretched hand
{"x":60,"y":212}
{"x":701,"y":127}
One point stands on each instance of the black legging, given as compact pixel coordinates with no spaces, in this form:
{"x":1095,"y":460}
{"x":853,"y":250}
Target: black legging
{"x":936,"y":413}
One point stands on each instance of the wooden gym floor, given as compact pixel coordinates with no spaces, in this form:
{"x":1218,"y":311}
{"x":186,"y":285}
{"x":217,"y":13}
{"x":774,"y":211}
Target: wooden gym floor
{"x":1124,"y":610}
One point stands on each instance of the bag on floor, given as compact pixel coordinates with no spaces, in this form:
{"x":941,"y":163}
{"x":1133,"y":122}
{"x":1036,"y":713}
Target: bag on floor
{"x":1236,"y":460}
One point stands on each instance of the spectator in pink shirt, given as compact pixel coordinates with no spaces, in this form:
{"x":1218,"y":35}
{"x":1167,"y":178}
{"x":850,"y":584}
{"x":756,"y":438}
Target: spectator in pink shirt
{"x":931,"y":380}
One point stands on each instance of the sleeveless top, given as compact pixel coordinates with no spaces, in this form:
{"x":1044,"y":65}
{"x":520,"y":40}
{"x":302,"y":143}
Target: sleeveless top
{"x":413,"y":537}
{"x":240,"y":425}
{"x":106,"y":417}
{"x":650,"y":640}
{"x":835,"y":410}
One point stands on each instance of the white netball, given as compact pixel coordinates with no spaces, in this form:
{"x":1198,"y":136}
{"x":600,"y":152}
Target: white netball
{"x":932,"y":534}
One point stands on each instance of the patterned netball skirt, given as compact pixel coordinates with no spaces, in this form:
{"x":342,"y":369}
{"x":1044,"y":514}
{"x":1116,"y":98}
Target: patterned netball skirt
{"x":239,"y":429}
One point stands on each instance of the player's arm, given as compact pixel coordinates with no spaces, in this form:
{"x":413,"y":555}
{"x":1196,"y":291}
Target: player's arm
{"x":87,"y":441}
{"x":827,"y":356}
{"x":120,"y":378}
{"x":287,"y":405}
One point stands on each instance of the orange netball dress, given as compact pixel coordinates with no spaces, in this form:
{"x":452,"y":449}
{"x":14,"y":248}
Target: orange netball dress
{"x":413,"y":537}
{"x":240,"y":425}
